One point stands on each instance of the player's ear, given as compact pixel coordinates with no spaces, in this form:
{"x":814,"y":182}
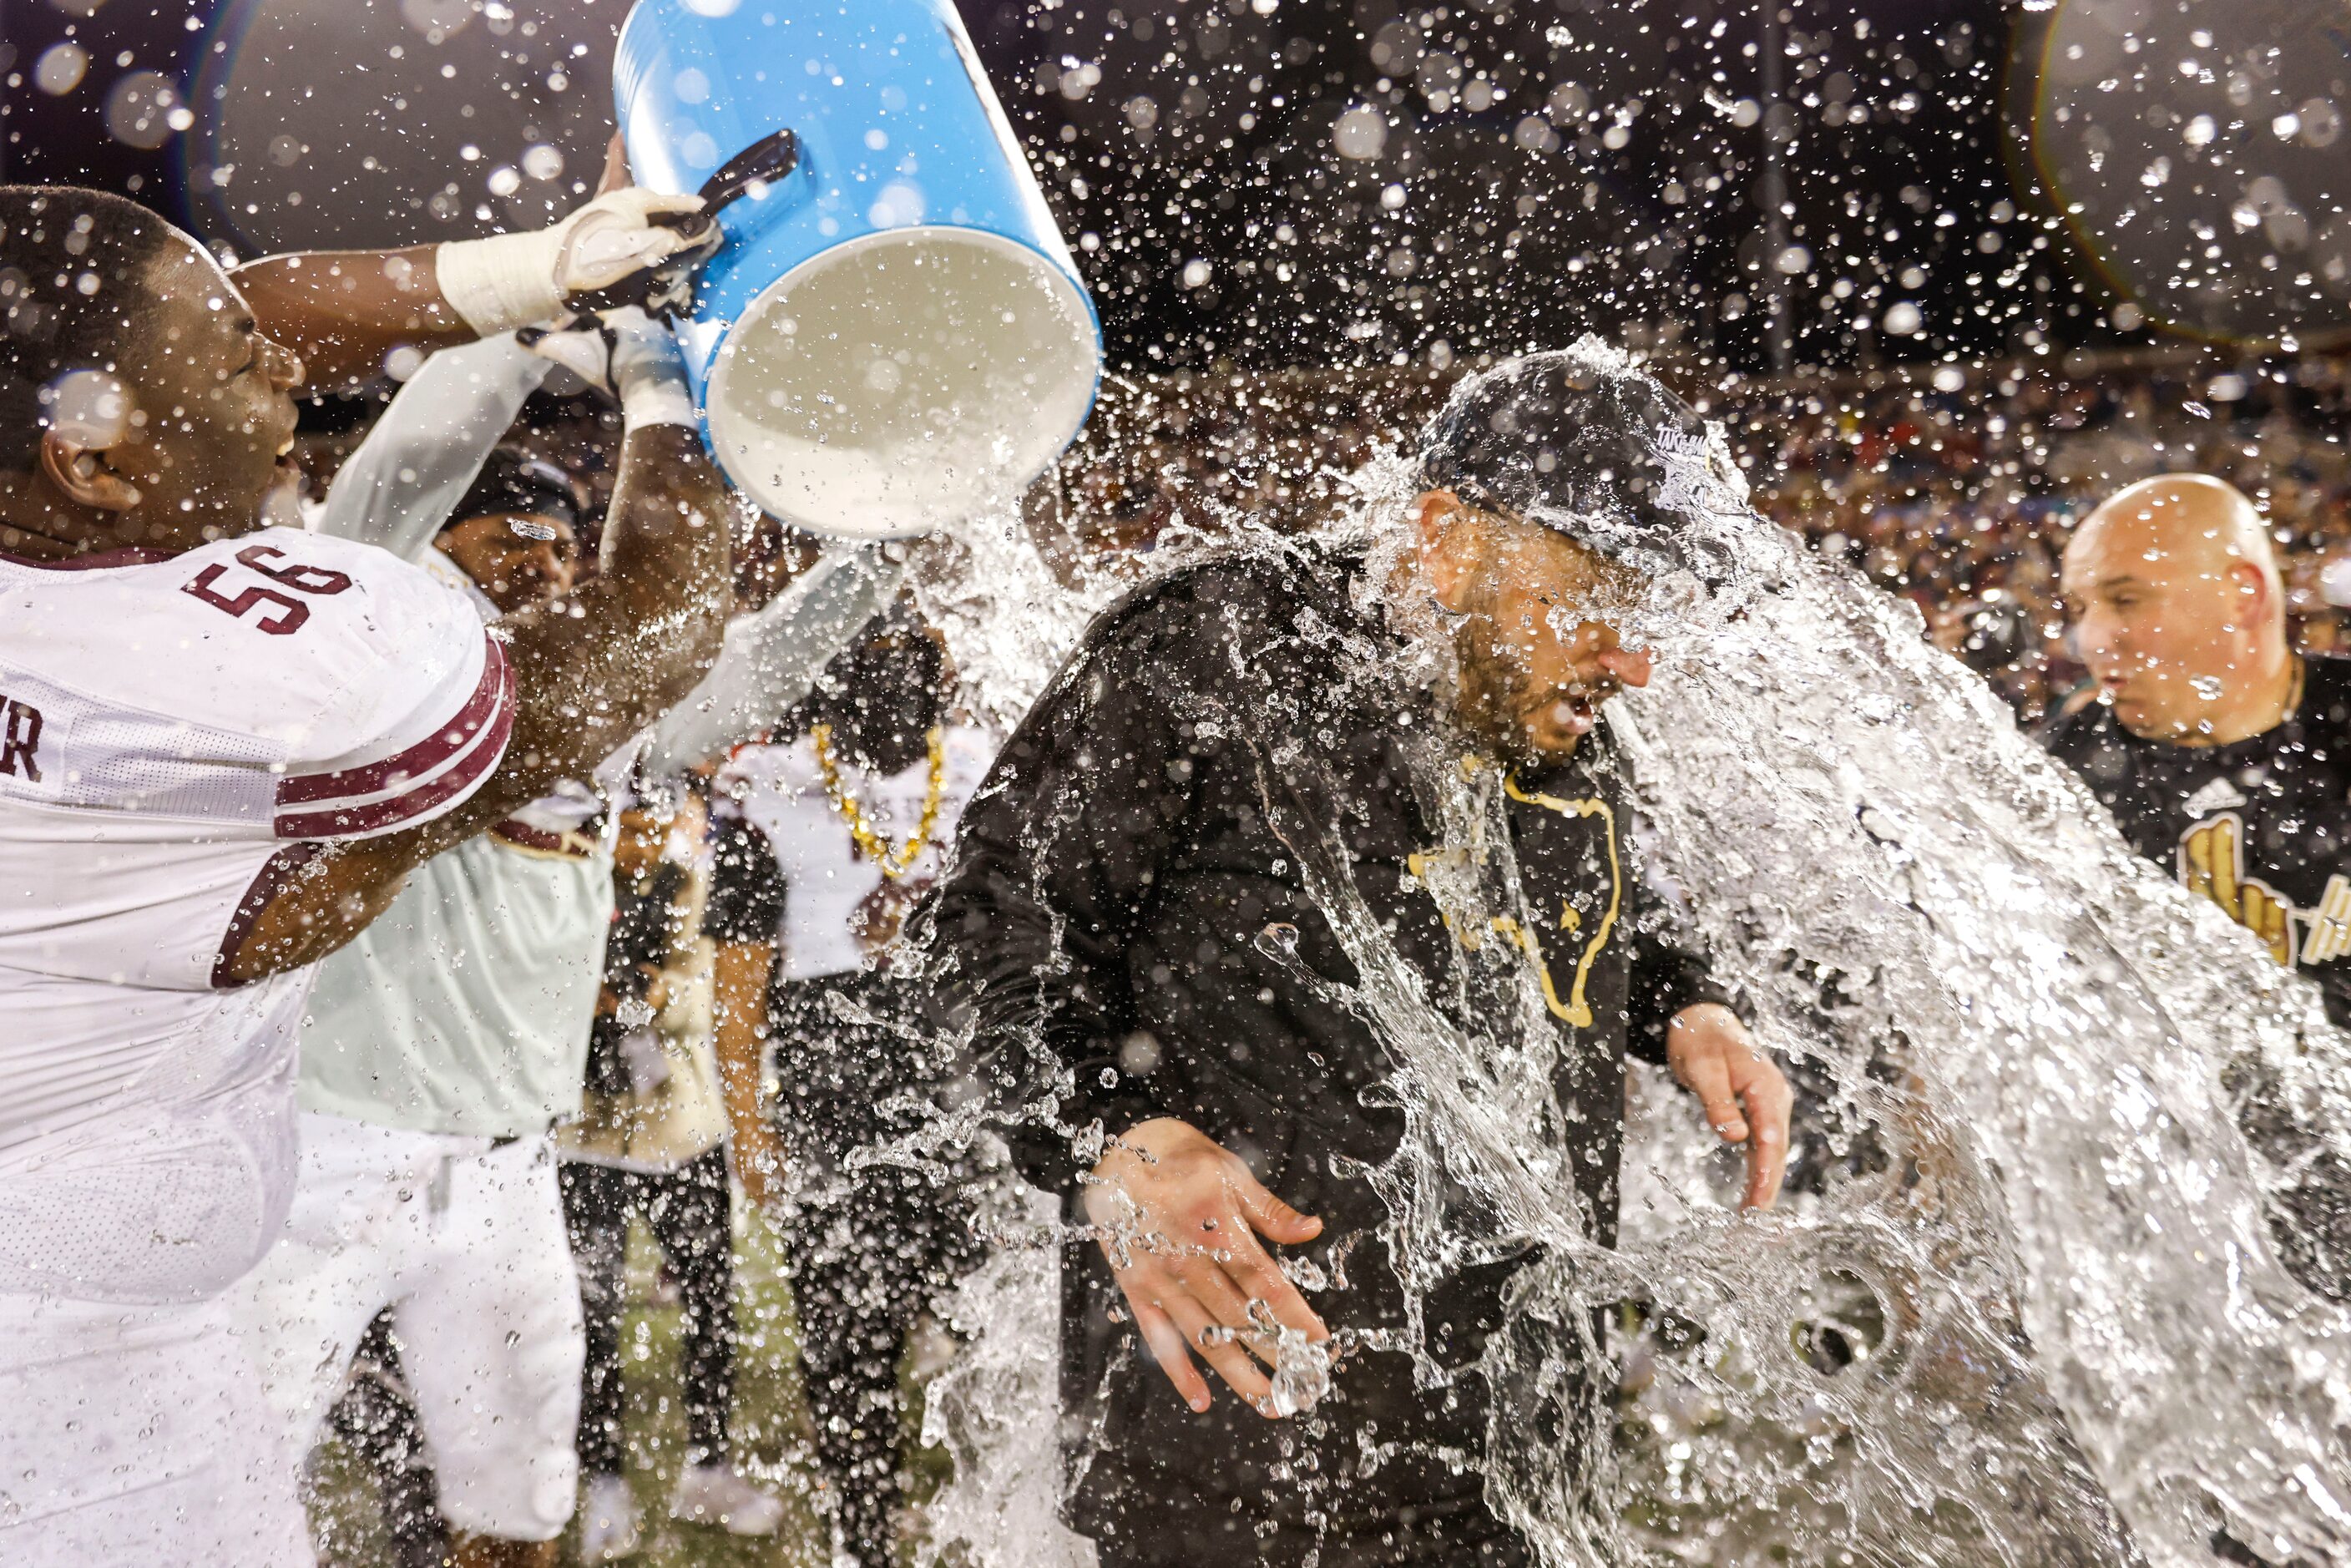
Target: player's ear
{"x":1438,"y":521}
{"x":2255,"y":591}
{"x":84,"y":475}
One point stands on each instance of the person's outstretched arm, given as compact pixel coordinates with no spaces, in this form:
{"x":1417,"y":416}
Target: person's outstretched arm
{"x":771,"y":658}
{"x":398,"y":490}
{"x":630,"y":643}
{"x":345,"y":311}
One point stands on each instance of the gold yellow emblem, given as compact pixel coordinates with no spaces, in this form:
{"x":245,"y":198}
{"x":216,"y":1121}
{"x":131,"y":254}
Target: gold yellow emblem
{"x":2212,"y":865}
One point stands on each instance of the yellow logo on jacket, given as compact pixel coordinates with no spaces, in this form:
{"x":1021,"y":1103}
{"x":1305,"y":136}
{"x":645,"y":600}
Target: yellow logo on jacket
{"x":1575,"y":1009}
{"x":2212,"y":865}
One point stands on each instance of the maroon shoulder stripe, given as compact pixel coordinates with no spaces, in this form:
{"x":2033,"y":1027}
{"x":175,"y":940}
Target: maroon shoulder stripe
{"x":525,"y":836}
{"x":377,"y":816}
{"x":488,"y":700}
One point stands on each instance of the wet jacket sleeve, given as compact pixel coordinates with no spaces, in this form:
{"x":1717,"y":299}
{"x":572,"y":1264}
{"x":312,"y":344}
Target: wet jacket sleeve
{"x":1670,"y":972}
{"x":1055,"y":863}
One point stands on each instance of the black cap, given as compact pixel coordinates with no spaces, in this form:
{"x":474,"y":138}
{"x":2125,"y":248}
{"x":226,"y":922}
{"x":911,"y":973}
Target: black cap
{"x":512,"y":482}
{"x":1583,"y":443}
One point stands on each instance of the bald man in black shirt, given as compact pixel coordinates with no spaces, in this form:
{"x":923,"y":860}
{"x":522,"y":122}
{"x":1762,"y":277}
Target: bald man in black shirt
{"x":2225,"y":756}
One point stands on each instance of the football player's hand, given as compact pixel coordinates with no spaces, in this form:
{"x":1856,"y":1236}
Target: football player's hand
{"x":622,"y":233}
{"x":1746,"y":1096}
{"x":611,"y":351}
{"x":618,"y":237}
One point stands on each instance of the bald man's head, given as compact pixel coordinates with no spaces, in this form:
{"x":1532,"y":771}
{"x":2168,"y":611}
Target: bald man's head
{"x":2180,"y":610}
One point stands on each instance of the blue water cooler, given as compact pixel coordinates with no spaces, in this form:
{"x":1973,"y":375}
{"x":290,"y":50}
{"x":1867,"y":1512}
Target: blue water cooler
{"x":892,"y":335}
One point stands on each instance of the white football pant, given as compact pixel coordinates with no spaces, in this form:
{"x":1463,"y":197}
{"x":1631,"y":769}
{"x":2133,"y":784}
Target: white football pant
{"x":466,"y":1245}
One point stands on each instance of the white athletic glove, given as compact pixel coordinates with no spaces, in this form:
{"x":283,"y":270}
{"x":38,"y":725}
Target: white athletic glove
{"x":627,"y":355}
{"x":648,"y":370}
{"x":514,"y":280}
{"x":580,"y":345}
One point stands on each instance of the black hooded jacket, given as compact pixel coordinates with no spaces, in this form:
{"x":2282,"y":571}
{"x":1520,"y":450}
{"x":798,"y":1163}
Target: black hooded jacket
{"x":1130,"y":919}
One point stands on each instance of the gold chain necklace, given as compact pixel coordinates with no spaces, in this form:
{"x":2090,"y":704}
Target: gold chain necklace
{"x":871,"y":845}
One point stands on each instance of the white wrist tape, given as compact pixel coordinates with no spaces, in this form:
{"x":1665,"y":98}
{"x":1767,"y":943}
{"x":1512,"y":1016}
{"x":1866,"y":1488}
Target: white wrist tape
{"x":503,"y":282}
{"x":659,"y":398}
{"x":649,"y":371}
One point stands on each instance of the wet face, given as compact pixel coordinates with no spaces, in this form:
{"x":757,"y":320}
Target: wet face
{"x":1538,"y":649}
{"x":2175,"y":626}
{"x":214,"y":420}
{"x":517,"y":560}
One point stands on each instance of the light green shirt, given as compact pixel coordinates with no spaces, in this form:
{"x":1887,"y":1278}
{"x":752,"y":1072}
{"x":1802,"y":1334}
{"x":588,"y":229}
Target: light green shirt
{"x":465,"y":1008}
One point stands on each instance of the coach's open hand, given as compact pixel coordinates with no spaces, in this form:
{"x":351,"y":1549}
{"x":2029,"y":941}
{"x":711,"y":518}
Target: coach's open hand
{"x":1745,"y":1095}
{"x":1180,"y":1217}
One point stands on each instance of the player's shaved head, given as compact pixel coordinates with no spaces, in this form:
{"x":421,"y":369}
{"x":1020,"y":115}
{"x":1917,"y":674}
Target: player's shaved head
{"x":139,"y":402}
{"x":2195,"y":520}
{"x":74,"y":297}
{"x":2180,"y":609}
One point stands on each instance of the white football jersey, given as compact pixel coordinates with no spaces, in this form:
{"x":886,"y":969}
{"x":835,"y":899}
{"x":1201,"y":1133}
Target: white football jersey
{"x":177,"y":735}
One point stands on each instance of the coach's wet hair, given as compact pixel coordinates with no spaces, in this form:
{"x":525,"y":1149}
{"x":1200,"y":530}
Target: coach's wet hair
{"x":70,"y":263}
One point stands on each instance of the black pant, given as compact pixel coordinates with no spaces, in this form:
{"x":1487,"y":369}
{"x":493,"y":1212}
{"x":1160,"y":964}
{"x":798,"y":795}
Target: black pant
{"x":377,"y":1420}
{"x":868,"y":1245}
{"x":686,"y":1211}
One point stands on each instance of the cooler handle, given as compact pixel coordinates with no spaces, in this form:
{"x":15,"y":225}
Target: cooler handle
{"x":764,"y":161}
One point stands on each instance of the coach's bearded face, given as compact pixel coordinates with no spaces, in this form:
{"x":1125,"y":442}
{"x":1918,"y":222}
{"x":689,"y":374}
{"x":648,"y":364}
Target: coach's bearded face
{"x":1536,"y":645}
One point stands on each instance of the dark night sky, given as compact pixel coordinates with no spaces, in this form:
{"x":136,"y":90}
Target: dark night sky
{"x":1324,"y":181}
{"x":1587,"y":167}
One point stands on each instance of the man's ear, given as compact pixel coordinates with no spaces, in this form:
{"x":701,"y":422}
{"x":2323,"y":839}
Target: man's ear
{"x":1437,"y":516}
{"x":2256,"y":599}
{"x":83,"y":475}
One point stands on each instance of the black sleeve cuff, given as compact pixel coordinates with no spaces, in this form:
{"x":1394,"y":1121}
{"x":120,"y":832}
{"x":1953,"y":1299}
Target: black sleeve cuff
{"x":1105,"y":1102}
{"x":1664,"y":981}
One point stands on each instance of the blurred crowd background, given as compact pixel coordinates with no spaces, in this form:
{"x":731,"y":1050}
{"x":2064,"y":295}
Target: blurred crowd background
{"x":1956,"y":489}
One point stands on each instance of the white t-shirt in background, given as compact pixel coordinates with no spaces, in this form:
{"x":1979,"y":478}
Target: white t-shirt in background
{"x":826,"y":881}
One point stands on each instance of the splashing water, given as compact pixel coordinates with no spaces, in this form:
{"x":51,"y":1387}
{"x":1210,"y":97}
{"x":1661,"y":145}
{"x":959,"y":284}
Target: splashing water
{"x":2030,"y":1307}
{"x":2024,"y":1029}
{"x":2060,"y":1018}
{"x":1007,"y":620}
{"x":996,"y":1408}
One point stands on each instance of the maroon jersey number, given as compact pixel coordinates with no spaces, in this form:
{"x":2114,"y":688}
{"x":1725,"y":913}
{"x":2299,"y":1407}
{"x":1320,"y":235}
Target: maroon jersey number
{"x":287,"y":614}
